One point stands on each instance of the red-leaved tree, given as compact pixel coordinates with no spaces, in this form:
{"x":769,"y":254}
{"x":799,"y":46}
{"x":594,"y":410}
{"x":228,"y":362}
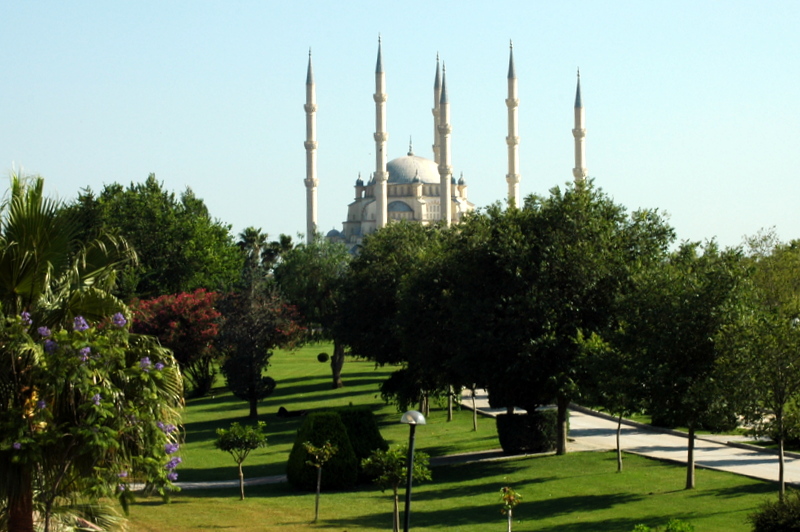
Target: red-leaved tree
{"x":188,"y":324}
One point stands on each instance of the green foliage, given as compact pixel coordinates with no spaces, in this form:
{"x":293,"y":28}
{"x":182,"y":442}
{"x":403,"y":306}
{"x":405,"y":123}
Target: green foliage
{"x":323,"y":357}
{"x":362,"y":429}
{"x":342,"y":470}
{"x":85,"y":407}
{"x":319,"y":455}
{"x":239,"y":440}
{"x":673,"y":525}
{"x":388,"y":467}
{"x":181,"y":248}
{"x":534,"y":432}
{"x":778,"y":515}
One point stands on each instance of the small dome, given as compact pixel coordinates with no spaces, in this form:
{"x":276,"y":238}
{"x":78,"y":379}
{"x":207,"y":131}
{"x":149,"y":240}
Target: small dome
{"x":333,"y":233}
{"x":399,"y":206}
{"x":403,"y":170}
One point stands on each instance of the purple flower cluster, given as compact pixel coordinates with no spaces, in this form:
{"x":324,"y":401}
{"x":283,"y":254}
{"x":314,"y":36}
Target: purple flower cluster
{"x":26,"y":318}
{"x":144,"y":364}
{"x":50,"y":346}
{"x":84,"y":353}
{"x":173,"y":463}
{"x":170,"y":448}
{"x":96,"y":399}
{"x":166,"y":428}
{"x":16,"y":445}
{"x":172,"y":476}
{"x":122,"y":474}
{"x":79,"y":324}
{"x":41,"y":404}
{"x":119,"y":320}
{"x":159,"y":366}
{"x":44,"y":332}
{"x":122,"y":487}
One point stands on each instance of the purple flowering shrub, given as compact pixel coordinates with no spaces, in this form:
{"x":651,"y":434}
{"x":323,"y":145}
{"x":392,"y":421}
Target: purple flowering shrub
{"x":90,"y":393}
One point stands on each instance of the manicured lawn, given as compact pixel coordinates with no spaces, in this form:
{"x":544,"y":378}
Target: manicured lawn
{"x":580,"y":491}
{"x":577,"y":492}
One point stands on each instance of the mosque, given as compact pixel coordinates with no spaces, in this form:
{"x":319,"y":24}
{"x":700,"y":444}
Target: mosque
{"x":413,"y":187}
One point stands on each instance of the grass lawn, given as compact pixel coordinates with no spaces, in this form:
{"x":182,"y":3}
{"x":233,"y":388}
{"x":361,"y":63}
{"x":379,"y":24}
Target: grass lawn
{"x":580,"y":491}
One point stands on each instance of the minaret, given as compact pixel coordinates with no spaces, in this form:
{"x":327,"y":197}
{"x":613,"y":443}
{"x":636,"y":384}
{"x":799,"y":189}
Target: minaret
{"x":311,"y":180}
{"x":512,"y":102}
{"x":437,"y":94}
{"x":579,"y":132}
{"x":381,"y":136}
{"x":445,"y":168}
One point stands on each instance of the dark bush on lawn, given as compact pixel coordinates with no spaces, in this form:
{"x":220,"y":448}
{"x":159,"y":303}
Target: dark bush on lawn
{"x":534,"y":432}
{"x":323,"y":357}
{"x":340,"y":472}
{"x":365,"y":437}
{"x":777,"y":516}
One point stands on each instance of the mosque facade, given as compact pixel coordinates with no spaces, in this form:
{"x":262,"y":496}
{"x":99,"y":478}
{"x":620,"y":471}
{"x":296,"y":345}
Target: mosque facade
{"x":411,"y":187}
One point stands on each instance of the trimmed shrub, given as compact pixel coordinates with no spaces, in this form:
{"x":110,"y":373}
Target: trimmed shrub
{"x":340,"y":472}
{"x":534,"y":432}
{"x":777,"y":516}
{"x":323,"y":357}
{"x":365,"y":437}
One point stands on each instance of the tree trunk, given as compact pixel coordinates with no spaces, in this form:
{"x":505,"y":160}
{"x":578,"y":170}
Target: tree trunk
{"x":619,"y":447}
{"x":781,"y":479}
{"x":561,"y":425}
{"x":20,"y":501}
{"x":474,"y":413}
{"x":690,"y":461}
{"x":253,"y":408}
{"x":509,"y":520}
{"x":337,"y":362}
{"x":396,"y":517}
{"x":450,"y":393}
{"x":319,"y":487}
{"x":241,"y":483}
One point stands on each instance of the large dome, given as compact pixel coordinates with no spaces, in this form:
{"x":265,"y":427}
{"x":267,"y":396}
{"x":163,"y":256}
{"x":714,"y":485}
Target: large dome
{"x":403,"y":170}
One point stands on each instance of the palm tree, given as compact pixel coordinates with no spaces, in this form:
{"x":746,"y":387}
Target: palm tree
{"x":50,"y":277}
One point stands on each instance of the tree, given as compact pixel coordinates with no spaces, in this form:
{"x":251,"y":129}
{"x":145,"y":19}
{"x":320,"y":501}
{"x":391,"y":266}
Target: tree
{"x":767,"y":339}
{"x":240,"y":441}
{"x":319,"y":457}
{"x":390,"y":469}
{"x":188,"y":324}
{"x":510,"y":499}
{"x":310,"y":276}
{"x":181,"y":248}
{"x":257,"y":320}
{"x":83,"y":403}
{"x":681,"y":308}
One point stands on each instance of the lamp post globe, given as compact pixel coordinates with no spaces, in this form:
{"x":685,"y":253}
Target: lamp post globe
{"x":412,"y":418}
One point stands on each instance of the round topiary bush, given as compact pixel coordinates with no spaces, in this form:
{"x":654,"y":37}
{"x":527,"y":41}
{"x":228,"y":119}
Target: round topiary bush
{"x":323,"y":357}
{"x":534,"y":432}
{"x":340,"y":472}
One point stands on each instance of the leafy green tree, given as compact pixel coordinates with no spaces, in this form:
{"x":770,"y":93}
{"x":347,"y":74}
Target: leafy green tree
{"x":389,"y":468}
{"x":510,"y":499}
{"x":84,"y":405}
{"x":181,"y":248}
{"x":767,"y":339}
{"x":188,"y":324}
{"x":674,"y":329}
{"x":240,"y":441}
{"x":319,"y":457}
{"x":310,"y":276}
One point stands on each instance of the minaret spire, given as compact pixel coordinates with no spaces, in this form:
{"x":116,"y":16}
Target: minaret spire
{"x":381,"y":136}
{"x":311,"y":180}
{"x":579,"y":132}
{"x":512,"y":140}
{"x":445,"y":168}
{"x":437,"y":94}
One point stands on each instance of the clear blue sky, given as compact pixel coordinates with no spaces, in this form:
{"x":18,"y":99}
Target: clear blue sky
{"x":691,"y":107}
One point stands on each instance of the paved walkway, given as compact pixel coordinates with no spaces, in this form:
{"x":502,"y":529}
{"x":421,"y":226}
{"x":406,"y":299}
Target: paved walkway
{"x":594,"y":431}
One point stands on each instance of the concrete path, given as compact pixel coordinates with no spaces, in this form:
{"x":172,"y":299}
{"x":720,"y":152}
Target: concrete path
{"x":594,"y":431}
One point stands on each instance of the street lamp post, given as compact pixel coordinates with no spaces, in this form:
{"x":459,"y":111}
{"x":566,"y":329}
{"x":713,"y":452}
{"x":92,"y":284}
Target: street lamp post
{"x":411,"y":418}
